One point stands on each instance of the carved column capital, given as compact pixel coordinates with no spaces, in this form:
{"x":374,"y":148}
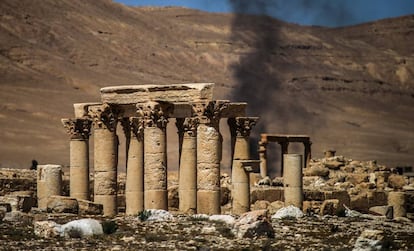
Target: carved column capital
{"x":209,"y":112}
{"x":243,"y":125}
{"x":187,"y":126}
{"x":155,"y":114}
{"x":77,"y":128}
{"x":133,"y":126}
{"x":104,"y":117}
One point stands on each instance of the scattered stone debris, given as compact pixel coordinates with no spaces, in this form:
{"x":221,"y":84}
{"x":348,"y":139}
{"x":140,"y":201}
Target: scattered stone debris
{"x":288,"y":212}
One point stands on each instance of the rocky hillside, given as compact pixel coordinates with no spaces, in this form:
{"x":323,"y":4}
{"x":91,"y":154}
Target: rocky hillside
{"x":350,"y":89}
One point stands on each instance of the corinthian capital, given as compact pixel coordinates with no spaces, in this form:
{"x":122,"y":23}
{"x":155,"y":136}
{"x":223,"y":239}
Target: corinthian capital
{"x":155,"y":114}
{"x":104,"y":117}
{"x":209,"y":112}
{"x":188,"y":126}
{"x":244,"y":125}
{"x":77,"y":128}
{"x":133,"y":126}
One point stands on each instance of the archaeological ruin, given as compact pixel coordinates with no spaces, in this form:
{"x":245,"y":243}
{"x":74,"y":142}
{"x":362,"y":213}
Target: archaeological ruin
{"x":143,"y":112}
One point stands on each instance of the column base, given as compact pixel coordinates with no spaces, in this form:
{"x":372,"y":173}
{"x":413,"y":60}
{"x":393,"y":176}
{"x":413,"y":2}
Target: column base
{"x":134,"y":202}
{"x":109,"y":203}
{"x":156,"y":199}
{"x":208,"y":202}
{"x":188,"y":201}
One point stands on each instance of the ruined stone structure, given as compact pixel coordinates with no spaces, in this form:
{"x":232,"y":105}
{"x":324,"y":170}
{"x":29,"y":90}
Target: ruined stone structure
{"x":284,"y":141}
{"x":144,"y":112}
{"x":49,"y":183}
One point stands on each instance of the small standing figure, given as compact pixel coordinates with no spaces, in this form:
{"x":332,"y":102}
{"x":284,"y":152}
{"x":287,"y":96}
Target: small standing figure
{"x":34,"y":165}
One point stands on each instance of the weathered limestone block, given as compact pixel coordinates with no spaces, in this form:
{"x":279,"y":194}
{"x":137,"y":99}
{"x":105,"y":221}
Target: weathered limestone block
{"x":89,"y":208}
{"x":398,"y":203}
{"x":62,"y":204}
{"x":397,"y":181}
{"x":334,"y":164}
{"x":314,"y":195}
{"x":357,"y":178}
{"x":254,"y":224}
{"x":316,"y":170}
{"x":330,"y":207}
{"x":275,"y":206}
{"x":312,"y":207}
{"x":342,"y":197}
{"x":141,"y":93}
{"x":260,"y":205}
{"x":22,"y":203}
{"x":359,"y":202}
{"x":49,"y":182}
{"x":270,"y":194}
{"x":376,"y":198}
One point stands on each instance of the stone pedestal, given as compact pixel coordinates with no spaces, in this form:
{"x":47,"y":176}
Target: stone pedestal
{"x":292,"y":180}
{"x":105,"y":158}
{"x":49,"y":182}
{"x":187,"y":186}
{"x":134,"y":187}
{"x":397,"y":201}
{"x":79,"y":130}
{"x":155,"y":116}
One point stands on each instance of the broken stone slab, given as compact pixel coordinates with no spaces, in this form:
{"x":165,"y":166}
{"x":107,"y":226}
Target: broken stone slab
{"x":254,"y":224}
{"x":47,"y":229}
{"x":132,"y":94}
{"x":87,"y":207}
{"x":382,"y":211}
{"x":330,"y":207}
{"x":62,"y":204}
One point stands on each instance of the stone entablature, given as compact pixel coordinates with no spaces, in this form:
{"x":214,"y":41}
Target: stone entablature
{"x":144,"y":112}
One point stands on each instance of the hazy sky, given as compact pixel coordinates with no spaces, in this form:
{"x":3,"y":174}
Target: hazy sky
{"x":307,"y":12}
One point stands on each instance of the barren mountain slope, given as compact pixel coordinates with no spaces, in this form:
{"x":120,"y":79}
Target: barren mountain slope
{"x":349,"y":88}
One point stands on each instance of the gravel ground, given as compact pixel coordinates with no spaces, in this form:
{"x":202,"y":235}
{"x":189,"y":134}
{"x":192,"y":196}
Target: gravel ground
{"x":187,"y":233}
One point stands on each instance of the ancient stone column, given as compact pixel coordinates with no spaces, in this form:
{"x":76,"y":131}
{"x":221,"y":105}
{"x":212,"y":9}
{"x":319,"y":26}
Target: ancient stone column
{"x":263,"y":156}
{"x":155,"y":117}
{"x":187,"y":183}
{"x":105,"y":157}
{"x":49,"y":182}
{"x":397,"y":201}
{"x":209,"y":147}
{"x":240,"y":175}
{"x":79,"y":131}
{"x":134,"y":187}
{"x":292,"y":180}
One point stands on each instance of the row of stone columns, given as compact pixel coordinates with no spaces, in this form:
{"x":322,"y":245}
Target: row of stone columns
{"x":200,"y":156}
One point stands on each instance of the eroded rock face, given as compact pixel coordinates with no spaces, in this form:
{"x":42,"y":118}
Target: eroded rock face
{"x":62,"y":204}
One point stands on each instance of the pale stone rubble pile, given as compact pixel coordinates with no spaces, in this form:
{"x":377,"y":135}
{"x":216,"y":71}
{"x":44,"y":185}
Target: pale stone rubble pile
{"x":332,"y":182}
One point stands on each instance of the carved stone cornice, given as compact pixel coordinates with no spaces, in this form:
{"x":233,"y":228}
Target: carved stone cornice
{"x":104,"y":117}
{"x":133,"y":126}
{"x":187,"y":126}
{"x":244,"y":125}
{"x":78,"y":128}
{"x":155,"y":114}
{"x":209,"y":112}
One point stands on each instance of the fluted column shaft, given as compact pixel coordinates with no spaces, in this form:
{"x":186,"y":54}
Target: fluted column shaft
{"x":79,"y":131}
{"x":105,"y":158}
{"x":263,"y":157}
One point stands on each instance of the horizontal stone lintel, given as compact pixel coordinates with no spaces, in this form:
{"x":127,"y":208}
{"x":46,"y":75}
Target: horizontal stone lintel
{"x":265,"y":137}
{"x":128,"y":94}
